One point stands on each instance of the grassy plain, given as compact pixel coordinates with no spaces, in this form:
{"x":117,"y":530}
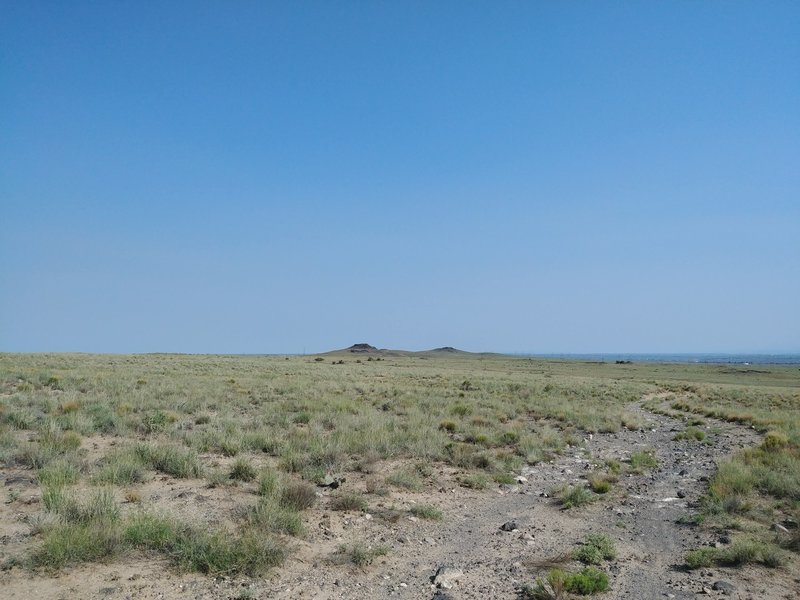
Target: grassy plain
{"x":99,"y":435}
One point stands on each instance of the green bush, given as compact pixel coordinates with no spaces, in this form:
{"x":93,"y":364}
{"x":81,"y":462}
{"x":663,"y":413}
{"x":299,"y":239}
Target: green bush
{"x":586,"y":582}
{"x":596,"y":548}
{"x":172,"y":460}
{"x":574,"y":496}
{"x":426,"y":511}
{"x":242,"y":470}
{"x":643,"y":460}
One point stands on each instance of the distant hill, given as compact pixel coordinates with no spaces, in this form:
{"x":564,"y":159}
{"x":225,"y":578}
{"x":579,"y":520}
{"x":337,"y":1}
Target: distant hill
{"x":363,"y":348}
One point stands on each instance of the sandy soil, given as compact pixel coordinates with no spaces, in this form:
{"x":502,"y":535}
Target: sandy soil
{"x":641,"y":514}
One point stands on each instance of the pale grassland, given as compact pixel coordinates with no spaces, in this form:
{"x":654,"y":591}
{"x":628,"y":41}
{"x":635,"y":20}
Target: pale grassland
{"x":284,"y":423}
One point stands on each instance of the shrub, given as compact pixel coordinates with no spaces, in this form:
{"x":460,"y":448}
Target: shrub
{"x":404,"y":479}
{"x":461,"y":410}
{"x":742,"y":551}
{"x":178,"y":462}
{"x":100,"y":507}
{"x":242,"y":470}
{"x":573,"y":496}
{"x":644,"y":460}
{"x":558,"y":582}
{"x":587,"y":581}
{"x":360,"y":554}
{"x":268,"y":483}
{"x":67,"y":544}
{"x":121,"y":469}
{"x":774,"y":440}
{"x":476,"y":481}
{"x":59,"y":472}
{"x":691,"y":433}
{"x":269,"y":515}
{"x":596,"y":548}
{"x":298,"y":495}
{"x":426,"y":511}
{"x":600,"y":483}
{"x":700,"y":558}
{"x":202,"y":551}
{"x":348,"y":501}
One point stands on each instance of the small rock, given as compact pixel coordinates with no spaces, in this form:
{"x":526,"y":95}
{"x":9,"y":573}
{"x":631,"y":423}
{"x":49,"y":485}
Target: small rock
{"x":509,"y":526}
{"x":726,"y":587}
{"x":447,"y":576}
{"x":430,"y":541}
{"x":522,"y":479}
{"x":331,"y":481}
{"x":681,"y":494}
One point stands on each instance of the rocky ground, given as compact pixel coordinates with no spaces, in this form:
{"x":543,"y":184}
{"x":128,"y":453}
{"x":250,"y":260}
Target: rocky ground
{"x":489,"y":543}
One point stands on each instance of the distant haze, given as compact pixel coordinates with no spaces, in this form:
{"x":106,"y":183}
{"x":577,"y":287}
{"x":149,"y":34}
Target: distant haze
{"x":298,"y":177}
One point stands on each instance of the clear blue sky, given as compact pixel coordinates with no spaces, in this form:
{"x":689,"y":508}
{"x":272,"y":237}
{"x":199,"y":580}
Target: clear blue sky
{"x":505,"y":176}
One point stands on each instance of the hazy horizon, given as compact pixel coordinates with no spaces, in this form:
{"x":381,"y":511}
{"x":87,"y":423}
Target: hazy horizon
{"x":506,"y":177}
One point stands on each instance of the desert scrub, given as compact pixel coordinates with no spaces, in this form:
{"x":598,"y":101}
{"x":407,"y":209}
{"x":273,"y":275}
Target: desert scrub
{"x":596,"y":548}
{"x":743,"y":550}
{"x":426,"y":511}
{"x":242,"y":470}
{"x":84,"y":531}
{"x":691,"y":433}
{"x":120,"y":468}
{"x":101,"y":506}
{"x":348,"y":501}
{"x":406,"y":479}
{"x":359,"y":554}
{"x":171,"y":460}
{"x":572,"y":496}
{"x":198,"y":550}
{"x":298,"y":495}
{"x":67,"y":544}
{"x":268,"y":515}
{"x":643,"y":460}
{"x":558,"y":582}
{"x":601,"y":483}
{"x":475,"y":481}
{"x":60,"y":472}
{"x":269,"y":483}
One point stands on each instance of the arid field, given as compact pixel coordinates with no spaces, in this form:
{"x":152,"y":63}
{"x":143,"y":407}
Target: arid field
{"x":373,"y":474}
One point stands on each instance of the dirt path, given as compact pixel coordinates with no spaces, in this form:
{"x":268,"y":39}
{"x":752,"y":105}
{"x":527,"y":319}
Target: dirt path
{"x":641,"y":514}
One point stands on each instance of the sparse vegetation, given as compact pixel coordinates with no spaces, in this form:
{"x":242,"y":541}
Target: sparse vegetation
{"x":744,"y":550}
{"x":558,"y":583}
{"x":426,"y":511}
{"x":691,"y":433}
{"x":102,"y":436}
{"x":596,"y":548}
{"x":348,"y":501}
{"x":360,"y":554}
{"x":572,"y":496}
{"x":643,"y":461}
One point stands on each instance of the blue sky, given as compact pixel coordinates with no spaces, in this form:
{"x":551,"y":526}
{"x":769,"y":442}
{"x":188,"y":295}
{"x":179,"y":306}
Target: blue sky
{"x":299,"y":176}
